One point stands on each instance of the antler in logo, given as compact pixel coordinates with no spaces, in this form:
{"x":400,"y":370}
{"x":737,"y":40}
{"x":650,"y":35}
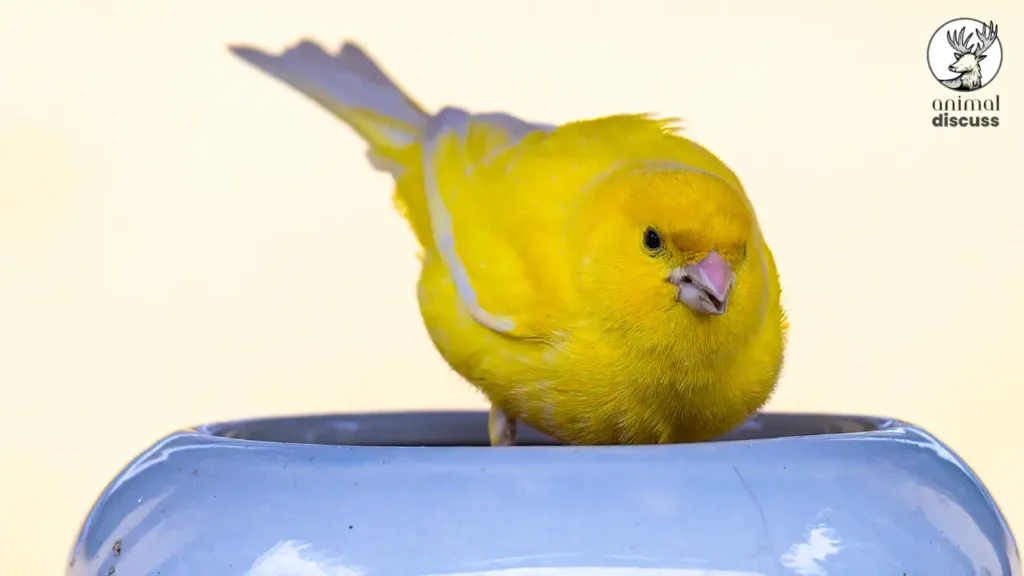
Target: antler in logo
{"x":968,"y":57}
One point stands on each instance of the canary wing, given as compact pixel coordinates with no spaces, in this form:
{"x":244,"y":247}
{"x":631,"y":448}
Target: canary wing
{"x":481,"y":220}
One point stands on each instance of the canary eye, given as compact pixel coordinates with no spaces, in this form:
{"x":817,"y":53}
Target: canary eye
{"x":652,"y":241}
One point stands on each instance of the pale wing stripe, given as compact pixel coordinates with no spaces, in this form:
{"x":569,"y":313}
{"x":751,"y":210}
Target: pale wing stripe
{"x":452,"y":120}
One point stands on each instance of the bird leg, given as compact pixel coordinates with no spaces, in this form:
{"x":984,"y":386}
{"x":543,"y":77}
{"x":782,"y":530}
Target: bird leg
{"x":502,"y":429}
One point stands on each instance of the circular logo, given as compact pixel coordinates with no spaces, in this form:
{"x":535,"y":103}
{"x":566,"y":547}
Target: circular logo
{"x":965,"y":54}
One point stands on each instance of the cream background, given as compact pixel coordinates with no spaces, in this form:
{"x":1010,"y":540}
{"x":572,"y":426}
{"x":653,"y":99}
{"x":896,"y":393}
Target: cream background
{"x":183,"y":239}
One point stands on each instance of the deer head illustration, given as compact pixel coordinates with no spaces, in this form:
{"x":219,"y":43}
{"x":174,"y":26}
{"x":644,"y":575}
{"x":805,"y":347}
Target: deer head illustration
{"x":968,"y":57}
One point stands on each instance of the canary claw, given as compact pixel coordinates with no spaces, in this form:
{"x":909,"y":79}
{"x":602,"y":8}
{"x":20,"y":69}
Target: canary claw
{"x":502,"y":429}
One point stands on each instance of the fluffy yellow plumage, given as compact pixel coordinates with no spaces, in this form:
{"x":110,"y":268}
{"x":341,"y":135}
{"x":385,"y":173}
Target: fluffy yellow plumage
{"x":605,"y":281}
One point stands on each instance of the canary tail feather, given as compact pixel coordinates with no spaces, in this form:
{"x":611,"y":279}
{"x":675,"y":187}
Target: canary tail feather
{"x":352,"y":87}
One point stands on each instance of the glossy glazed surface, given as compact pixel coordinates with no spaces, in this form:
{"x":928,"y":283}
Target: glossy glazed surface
{"x":360,"y":496}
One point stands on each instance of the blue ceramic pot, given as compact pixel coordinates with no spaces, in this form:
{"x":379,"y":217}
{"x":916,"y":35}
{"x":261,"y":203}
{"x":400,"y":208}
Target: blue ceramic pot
{"x":417,"y":494}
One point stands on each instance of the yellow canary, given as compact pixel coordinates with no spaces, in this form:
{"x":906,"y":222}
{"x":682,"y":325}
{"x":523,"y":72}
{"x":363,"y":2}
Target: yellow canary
{"x":605,"y":281}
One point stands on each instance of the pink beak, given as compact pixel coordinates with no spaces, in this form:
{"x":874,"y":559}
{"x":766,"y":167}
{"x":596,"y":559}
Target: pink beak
{"x":705,"y":286}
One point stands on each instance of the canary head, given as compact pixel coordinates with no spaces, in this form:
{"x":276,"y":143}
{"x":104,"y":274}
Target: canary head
{"x":669,"y":250}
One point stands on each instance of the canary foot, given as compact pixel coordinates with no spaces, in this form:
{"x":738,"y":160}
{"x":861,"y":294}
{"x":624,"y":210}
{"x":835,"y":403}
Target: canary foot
{"x":502,"y":429}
